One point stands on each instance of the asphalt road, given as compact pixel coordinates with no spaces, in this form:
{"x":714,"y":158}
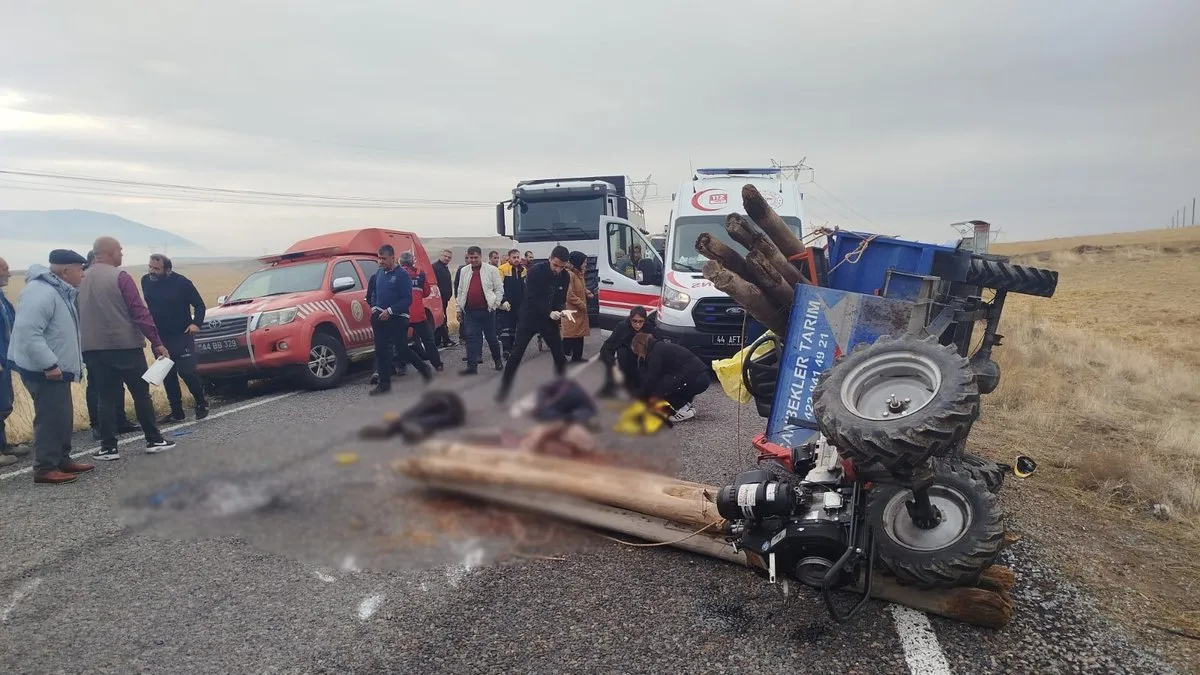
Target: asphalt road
{"x":250,"y":548}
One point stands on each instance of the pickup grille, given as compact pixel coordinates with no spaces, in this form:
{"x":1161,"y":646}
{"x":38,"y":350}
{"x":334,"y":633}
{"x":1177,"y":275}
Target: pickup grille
{"x":223,"y":327}
{"x":719,"y":315}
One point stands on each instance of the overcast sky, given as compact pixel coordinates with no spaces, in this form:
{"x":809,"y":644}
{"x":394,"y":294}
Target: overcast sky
{"x":1044,"y":118}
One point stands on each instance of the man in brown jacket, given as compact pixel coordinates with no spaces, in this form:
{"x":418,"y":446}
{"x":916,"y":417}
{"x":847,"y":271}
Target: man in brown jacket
{"x":114,"y":325}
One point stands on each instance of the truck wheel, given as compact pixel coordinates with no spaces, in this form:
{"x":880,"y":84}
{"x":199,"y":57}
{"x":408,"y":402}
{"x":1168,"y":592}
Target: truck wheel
{"x":990,"y":473}
{"x":897,"y":402}
{"x":327,"y":362}
{"x":955,"y":552}
{"x":1005,"y":276}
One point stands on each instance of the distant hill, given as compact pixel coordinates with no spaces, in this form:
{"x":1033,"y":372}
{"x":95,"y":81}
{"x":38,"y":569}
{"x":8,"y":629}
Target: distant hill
{"x":28,"y":236}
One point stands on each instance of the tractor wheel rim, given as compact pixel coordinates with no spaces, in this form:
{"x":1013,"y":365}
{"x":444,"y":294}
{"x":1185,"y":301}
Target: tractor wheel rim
{"x":322,"y":361}
{"x":891,"y":386}
{"x":956,"y":517}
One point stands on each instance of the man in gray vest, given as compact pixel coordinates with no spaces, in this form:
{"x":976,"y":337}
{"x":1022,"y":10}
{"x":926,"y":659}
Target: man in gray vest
{"x":115,"y":325}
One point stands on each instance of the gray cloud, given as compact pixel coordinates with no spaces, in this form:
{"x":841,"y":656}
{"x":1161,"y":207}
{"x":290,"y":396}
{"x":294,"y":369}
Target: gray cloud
{"x":1045,"y":118}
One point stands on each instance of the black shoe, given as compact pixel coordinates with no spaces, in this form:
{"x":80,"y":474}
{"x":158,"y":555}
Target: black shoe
{"x":173,"y":418}
{"x":158,"y":446}
{"x":469,"y":370}
{"x":499,"y":365}
{"x":108,"y":454}
{"x":378,"y":390}
{"x":374,"y":379}
{"x":201,"y":412}
{"x":464,"y":358}
{"x":440,"y":367}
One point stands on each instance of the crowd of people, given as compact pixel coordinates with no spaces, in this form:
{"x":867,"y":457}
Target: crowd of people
{"x":508,"y":301}
{"x":85,"y":314}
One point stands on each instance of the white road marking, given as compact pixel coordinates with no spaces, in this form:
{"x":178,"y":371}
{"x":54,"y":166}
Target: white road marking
{"x":324,"y":576}
{"x":368,"y":607}
{"x":921,"y":648}
{"x":166,"y":430}
{"x":18,"y":595}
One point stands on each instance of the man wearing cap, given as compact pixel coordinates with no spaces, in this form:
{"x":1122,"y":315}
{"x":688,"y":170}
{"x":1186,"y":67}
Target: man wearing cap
{"x":115,"y":325}
{"x":8,"y":455}
{"x":45,"y":350}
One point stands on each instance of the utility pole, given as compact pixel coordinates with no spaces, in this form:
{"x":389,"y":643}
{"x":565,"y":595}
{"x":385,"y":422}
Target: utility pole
{"x":1193,"y":210}
{"x":639,"y":190}
{"x":793,"y":171}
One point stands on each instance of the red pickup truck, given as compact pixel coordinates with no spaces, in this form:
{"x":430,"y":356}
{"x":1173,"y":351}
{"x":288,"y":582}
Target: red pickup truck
{"x":305,"y":313}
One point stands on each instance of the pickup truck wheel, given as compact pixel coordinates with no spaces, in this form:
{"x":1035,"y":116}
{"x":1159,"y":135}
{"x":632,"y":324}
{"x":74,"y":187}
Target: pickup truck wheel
{"x":327,"y":362}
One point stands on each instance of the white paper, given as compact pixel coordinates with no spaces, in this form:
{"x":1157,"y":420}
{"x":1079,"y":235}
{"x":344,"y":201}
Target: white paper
{"x":157,"y":372}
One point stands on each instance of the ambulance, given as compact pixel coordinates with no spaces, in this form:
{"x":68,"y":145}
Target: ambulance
{"x":692,"y":312}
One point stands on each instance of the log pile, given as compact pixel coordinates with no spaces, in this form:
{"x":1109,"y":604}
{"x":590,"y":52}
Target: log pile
{"x":655,"y":508}
{"x":763,"y":280}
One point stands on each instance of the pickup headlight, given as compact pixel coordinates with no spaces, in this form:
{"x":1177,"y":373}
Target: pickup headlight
{"x":674,"y":299}
{"x":278,"y":317}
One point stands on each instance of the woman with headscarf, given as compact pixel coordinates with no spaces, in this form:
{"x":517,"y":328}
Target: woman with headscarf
{"x":617,"y":353}
{"x":573,"y":332}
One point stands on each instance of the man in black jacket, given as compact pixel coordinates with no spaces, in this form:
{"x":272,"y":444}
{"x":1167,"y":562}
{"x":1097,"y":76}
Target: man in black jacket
{"x":445,"y":284}
{"x":672,"y":373}
{"x":545,"y":297}
{"x":178,"y":312}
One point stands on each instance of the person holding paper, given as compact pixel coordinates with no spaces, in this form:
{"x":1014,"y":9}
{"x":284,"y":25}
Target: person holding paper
{"x":115,"y":326}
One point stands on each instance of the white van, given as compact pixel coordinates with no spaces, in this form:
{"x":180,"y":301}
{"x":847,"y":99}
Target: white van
{"x":693,"y":312}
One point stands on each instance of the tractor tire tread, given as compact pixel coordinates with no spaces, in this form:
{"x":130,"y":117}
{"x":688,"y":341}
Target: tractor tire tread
{"x":911,"y":440}
{"x":1005,"y":276}
{"x":965,"y":562}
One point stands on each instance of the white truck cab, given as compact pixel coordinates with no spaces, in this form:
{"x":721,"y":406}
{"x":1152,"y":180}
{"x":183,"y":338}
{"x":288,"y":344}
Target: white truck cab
{"x":692,"y":312}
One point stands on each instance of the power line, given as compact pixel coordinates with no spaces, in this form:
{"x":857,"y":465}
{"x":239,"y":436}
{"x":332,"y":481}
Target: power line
{"x":231,"y":192}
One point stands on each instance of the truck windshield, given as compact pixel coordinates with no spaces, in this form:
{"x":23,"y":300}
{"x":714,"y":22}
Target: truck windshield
{"x":559,"y":220}
{"x":280,"y":281}
{"x":685,"y":258}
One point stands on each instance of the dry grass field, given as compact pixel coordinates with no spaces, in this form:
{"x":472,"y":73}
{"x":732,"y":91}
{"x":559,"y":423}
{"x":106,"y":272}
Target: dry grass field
{"x":1101,"y":384}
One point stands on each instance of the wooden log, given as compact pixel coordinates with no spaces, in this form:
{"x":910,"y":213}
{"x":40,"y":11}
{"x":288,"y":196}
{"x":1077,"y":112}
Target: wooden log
{"x":715,"y":249}
{"x":747,"y":235}
{"x":765,"y":217}
{"x":976,"y":606}
{"x":761,"y":307}
{"x":764,"y":275}
{"x":691,"y":504}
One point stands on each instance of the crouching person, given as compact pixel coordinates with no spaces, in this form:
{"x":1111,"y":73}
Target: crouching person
{"x":45,"y":350}
{"x":672,"y":373}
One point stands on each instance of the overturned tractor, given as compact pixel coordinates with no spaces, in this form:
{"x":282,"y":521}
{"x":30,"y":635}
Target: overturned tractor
{"x":870,"y":376}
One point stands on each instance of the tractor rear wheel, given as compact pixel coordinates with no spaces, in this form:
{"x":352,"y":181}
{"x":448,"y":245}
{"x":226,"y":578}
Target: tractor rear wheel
{"x":957,"y":550}
{"x":897,"y":402}
{"x":1005,"y":276}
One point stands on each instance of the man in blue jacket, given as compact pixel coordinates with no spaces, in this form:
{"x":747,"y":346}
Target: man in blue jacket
{"x":8,"y":455}
{"x":45,"y":350}
{"x":389,"y":295}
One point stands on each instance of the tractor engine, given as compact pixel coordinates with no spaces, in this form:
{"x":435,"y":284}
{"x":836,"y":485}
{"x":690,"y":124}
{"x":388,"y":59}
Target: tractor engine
{"x":800,"y":527}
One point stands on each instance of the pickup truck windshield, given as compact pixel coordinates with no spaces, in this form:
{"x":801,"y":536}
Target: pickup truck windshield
{"x":280,"y":281}
{"x":685,"y":257}
{"x":559,"y":220}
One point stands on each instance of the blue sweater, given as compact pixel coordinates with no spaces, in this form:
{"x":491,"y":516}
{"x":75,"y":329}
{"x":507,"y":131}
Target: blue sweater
{"x":391,"y":290}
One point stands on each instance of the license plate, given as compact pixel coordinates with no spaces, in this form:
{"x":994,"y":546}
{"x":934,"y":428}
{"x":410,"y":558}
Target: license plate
{"x":729,"y":340}
{"x":217,"y":345}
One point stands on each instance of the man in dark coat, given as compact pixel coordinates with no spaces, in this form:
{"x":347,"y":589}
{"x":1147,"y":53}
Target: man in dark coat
{"x":541,"y":309}
{"x":390,"y":296}
{"x":445,"y":284}
{"x":178,"y":312}
{"x":672,"y":373}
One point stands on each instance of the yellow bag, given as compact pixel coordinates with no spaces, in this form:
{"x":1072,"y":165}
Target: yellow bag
{"x":729,"y":371}
{"x":640,"y":419}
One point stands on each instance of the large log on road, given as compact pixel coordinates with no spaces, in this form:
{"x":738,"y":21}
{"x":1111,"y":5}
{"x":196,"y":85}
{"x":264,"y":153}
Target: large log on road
{"x":655,"y":508}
